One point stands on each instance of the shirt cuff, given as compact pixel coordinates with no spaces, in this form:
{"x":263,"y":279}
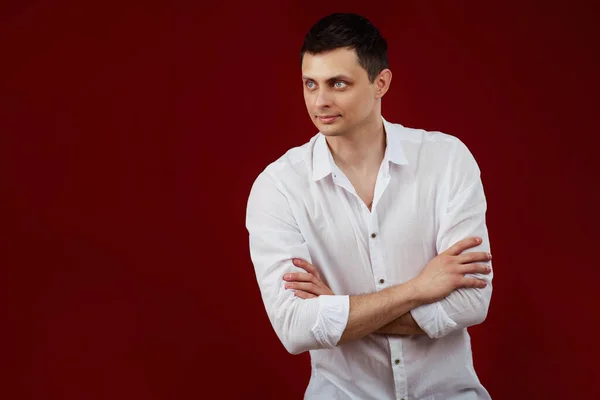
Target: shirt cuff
{"x":332,"y":318}
{"x":432,"y":318}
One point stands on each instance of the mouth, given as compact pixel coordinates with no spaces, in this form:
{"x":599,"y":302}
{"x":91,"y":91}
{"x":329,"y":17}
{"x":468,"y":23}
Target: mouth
{"x":327,"y":119}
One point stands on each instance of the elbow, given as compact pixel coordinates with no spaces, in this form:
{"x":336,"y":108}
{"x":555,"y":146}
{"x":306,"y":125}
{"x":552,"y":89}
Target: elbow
{"x":478,"y":311}
{"x":297,"y":341}
{"x":468,"y":307}
{"x":302,"y":326}
{"x":294,"y":347}
{"x":294,"y":331}
{"x":482,"y":306}
{"x":478,"y":314}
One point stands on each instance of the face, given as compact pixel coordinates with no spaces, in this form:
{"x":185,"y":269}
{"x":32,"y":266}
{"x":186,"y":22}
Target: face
{"x":338,"y":94}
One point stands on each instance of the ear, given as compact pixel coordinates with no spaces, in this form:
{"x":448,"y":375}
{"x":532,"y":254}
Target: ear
{"x":382,"y":83}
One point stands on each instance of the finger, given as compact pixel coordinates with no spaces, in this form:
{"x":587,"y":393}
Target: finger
{"x":303,"y":295}
{"x":473,"y":283}
{"x":463,"y":245}
{"x":475,"y":269}
{"x":308,"y":267}
{"x":477,"y":256}
{"x":306,"y":287}
{"x":299,"y":277}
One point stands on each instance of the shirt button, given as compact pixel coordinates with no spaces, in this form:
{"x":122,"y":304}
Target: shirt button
{"x":382,"y":281}
{"x":373,"y":235}
{"x":396,"y":361}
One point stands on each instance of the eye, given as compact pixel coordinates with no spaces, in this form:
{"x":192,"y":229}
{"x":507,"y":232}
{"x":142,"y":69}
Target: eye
{"x":310,"y":84}
{"x":340,"y":84}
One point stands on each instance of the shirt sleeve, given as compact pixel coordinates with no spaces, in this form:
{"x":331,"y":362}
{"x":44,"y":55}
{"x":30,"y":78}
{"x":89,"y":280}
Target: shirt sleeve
{"x":275,"y":239}
{"x":464,"y":208}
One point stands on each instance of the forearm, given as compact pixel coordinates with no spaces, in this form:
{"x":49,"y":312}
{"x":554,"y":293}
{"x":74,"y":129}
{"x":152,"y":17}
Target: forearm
{"x":371,"y":312}
{"x":403,"y":325}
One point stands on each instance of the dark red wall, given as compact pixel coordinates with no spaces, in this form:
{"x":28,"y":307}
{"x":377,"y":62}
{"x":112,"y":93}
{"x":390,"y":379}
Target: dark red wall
{"x":131,"y":133}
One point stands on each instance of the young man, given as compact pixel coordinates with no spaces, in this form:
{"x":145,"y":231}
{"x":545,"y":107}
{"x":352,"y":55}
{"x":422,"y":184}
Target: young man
{"x":369,"y":242}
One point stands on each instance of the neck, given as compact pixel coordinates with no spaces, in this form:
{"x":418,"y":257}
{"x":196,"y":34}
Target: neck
{"x":360,"y":151}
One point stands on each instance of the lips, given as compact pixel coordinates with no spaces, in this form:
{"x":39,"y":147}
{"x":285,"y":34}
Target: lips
{"x":327,"y":119}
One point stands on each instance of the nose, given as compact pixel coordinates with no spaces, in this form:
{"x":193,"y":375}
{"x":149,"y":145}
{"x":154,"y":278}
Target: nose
{"x":323,"y":99}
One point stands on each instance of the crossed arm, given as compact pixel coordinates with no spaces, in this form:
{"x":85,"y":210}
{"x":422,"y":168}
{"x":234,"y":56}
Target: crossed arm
{"x":388,"y":311}
{"x":309,"y":284}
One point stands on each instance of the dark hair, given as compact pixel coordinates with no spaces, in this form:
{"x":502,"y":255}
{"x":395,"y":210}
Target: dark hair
{"x":348,"y":30}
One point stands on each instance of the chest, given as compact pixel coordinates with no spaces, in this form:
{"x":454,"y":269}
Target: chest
{"x":356,"y":247}
{"x":364,"y":186}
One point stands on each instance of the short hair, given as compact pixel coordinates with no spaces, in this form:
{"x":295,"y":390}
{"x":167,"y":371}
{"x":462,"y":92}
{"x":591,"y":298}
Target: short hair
{"x":348,"y":30}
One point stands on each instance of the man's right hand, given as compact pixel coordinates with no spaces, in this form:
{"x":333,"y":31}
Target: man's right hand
{"x":446,"y":272}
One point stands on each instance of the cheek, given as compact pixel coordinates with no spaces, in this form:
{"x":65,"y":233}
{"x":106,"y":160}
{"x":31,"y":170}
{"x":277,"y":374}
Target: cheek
{"x":307,"y":103}
{"x":356,"y":103}
{"x":309,"y":100}
{"x":366,"y":104}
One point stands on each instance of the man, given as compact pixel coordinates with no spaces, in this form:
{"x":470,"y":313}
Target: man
{"x":369,"y":242}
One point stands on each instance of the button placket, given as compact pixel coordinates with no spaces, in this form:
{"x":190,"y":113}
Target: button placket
{"x":379,"y":273}
{"x":376,"y":252}
{"x":398,"y":370}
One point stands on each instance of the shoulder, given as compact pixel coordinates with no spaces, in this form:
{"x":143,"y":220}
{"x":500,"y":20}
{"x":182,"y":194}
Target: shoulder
{"x":291,"y":168}
{"x":431,"y":147}
{"x":425,"y":139}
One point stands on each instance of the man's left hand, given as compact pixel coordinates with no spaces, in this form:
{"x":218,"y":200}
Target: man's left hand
{"x":307,"y":284}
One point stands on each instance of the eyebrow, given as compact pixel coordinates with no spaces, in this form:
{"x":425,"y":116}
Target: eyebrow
{"x":330,"y":80}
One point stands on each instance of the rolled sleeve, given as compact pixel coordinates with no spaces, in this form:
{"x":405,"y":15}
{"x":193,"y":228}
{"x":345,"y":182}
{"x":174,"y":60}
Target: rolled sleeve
{"x":331,"y":320}
{"x":275,"y":240}
{"x":433,"y":319}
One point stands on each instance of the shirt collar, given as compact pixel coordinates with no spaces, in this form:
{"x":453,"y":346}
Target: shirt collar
{"x":323,"y":160}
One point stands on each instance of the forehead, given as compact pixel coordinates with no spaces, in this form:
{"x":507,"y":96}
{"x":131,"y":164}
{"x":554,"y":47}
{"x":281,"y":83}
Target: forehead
{"x":340,"y":61}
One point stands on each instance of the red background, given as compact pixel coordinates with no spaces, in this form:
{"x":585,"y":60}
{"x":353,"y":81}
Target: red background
{"x":131,"y":134}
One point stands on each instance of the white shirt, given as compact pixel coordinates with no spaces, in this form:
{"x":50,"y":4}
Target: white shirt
{"x":428,"y":196}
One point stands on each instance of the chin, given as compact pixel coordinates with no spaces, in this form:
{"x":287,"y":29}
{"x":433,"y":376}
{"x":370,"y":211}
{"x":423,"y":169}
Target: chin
{"x":330,"y":129}
{"x":331,"y":132}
